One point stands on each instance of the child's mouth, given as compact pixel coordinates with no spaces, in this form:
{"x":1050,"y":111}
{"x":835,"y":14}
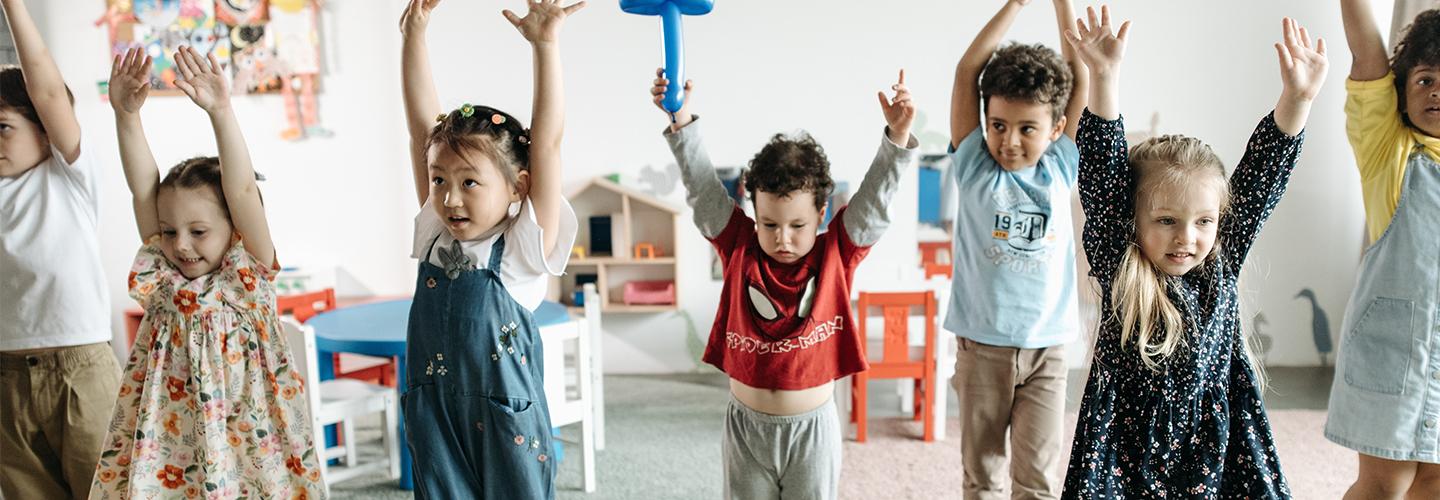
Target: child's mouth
{"x":457,"y":222}
{"x":1179,"y":257}
{"x":190,"y":261}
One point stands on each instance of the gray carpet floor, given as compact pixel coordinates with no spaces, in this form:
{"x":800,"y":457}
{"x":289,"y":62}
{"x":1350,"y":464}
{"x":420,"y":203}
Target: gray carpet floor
{"x":663,"y":436}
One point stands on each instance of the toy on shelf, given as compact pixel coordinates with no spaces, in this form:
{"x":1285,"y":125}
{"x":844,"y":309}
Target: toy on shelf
{"x":649,"y":293}
{"x":646,"y":251}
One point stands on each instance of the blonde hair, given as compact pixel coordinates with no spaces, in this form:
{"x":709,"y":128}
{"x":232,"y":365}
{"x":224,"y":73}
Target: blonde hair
{"x":1138,"y":296}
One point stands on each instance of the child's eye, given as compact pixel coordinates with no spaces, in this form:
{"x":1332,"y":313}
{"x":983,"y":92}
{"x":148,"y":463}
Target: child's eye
{"x":770,"y":225}
{"x":1028,"y":130}
{"x":470,"y":183}
{"x":797,"y":226}
{"x":168,"y":233}
{"x":1206,"y":221}
{"x":1425,"y":81}
{"x":437,"y":181}
{"x":197,"y":234}
{"x":1166,"y":220}
{"x":997,"y":127}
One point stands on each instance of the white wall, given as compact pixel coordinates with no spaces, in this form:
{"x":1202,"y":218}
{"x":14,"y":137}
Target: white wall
{"x":760,"y":68}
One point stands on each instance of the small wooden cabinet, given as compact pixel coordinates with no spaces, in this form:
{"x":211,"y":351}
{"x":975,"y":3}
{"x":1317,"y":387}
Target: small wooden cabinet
{"x":635,"y":219}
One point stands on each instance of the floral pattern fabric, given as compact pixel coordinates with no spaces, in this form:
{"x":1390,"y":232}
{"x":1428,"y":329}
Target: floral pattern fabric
{"x":210,"y":406}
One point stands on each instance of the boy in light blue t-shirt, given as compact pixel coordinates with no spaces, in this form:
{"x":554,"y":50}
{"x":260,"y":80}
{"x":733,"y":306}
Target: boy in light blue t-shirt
{"x":1013,"y":295}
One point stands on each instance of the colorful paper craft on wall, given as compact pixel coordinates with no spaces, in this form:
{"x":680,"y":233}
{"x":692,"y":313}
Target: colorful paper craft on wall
{"x":269,"y":46}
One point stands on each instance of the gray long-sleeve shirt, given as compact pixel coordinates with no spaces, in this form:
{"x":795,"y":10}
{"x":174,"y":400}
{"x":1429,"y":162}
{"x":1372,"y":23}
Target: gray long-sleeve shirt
{"x":865,"y":220}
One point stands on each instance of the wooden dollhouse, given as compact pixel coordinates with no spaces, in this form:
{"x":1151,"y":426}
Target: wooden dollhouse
{"x":626,"y":246}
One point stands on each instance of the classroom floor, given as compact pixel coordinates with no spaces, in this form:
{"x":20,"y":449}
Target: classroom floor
{"x":663,"y":442}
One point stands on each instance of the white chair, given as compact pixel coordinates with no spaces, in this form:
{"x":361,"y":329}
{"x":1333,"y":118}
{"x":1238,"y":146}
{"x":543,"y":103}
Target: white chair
{"x":570,"y":387}
{"x":340,"y":401}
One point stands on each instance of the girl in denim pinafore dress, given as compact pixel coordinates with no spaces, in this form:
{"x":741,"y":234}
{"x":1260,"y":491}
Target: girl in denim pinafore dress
{"x":474,"y":406}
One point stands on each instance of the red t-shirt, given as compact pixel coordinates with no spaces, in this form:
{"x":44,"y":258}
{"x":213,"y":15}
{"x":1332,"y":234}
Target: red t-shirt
{"x":787,"y":352}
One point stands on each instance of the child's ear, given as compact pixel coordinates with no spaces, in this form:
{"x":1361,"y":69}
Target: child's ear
{"x":823,"y":210}
{"x":1059,"y":129}
{"x":522,"y":186}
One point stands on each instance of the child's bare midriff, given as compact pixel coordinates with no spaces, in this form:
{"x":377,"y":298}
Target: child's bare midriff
{"x":782,"y":402}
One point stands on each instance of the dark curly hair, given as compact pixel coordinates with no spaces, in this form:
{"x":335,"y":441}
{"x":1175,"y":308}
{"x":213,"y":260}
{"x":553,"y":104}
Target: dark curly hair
{"x":13,"y":95}
{"x":1420,"y":45}
{"x":1029,"y":73}
{"x":787,"y":164}
{"x":473,"y":128}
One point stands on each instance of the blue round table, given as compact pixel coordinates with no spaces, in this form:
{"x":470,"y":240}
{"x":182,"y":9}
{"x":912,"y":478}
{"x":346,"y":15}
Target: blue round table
{"x":379,"y":329}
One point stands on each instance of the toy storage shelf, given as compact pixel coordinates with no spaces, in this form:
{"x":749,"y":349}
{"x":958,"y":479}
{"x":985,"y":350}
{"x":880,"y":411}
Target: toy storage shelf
{"x":634,"y":219}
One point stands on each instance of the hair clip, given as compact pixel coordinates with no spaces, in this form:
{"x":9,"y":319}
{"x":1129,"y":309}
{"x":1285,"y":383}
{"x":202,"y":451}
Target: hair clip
{"x":441,"y":117}
{"x":523,"y":140}
{"x":467,"y":110}
{"x":259,"y":177}
{"x":497,"y":118}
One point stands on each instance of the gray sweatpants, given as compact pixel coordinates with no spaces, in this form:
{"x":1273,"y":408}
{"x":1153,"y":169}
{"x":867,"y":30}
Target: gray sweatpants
{"x":774,"y":457}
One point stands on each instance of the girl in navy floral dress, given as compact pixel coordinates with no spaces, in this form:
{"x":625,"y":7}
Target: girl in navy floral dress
{"x":1173,"y":408}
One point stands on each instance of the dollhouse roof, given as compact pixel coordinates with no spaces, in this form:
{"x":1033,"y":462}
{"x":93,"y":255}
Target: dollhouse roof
{"x":634,"y":194}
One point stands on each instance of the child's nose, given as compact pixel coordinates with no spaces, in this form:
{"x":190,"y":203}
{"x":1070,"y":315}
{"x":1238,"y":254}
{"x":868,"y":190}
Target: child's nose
{"x":452,"y":199}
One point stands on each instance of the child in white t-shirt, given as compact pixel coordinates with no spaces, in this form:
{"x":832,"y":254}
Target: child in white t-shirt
{"x":58,"y":374}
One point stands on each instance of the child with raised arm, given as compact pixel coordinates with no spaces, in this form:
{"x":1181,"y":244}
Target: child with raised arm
{"x":211,"y":404}
{"x":493,"y":226}
{"x":1012,"y":304}
{"x":784,"y":330}
{"x":1383,"y":401}
{"x":58,"y":373}
{"x":1173,"y":407}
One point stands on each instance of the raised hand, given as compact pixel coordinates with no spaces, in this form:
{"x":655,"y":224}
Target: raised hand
{"x":1302,"y":65}
{"x":657,"y":94}
{"x":202,"y":80}
{"x":416,"y":16}
{"x":1098,"y":46}
{"x":130,"y":80}
{"x":542,"y":23}
{"x":899,"y":111}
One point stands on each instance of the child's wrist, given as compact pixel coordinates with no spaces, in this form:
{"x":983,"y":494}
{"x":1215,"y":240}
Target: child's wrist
{"x":1294,"y":97}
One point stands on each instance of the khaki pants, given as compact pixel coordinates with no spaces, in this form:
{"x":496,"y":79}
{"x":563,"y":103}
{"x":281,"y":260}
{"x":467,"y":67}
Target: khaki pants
{"x":55,"y":409}
{"x":1022,"y":390}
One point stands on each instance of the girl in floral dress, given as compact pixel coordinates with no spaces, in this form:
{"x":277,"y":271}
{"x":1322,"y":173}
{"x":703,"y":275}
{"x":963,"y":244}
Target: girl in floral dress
{"x":209,"y":406}
{"x":1173,"y":407}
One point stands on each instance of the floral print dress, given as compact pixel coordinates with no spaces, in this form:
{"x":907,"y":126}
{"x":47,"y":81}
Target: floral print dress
{"x":209,"y":406}
{"x":1197,"y":427}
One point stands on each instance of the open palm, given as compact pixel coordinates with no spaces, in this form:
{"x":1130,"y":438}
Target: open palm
{"x":542,"y":23}
{"x":1302,"y":65}
{"x":130,"y":80}
{"x":417,"y":15}
{"x":1098,"y":46}
{"x":202,"y":79}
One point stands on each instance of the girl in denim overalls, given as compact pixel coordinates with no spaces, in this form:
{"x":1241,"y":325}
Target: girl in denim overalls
{"x":492,"y":227}
{"x":1385,"y":401}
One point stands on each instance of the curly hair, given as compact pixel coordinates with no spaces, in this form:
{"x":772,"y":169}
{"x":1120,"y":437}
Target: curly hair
{"x":787,"y":164}
{"x":1029,"y":73}
{"x":14,"y":95}
{"x":1420,"y":45}
{"x":474,"y":128}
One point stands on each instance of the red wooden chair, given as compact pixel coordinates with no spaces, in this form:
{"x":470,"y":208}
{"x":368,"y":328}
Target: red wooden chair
{"x":931,"y":252}
{"x":896,"y":361}
{"x":372,"y":369}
